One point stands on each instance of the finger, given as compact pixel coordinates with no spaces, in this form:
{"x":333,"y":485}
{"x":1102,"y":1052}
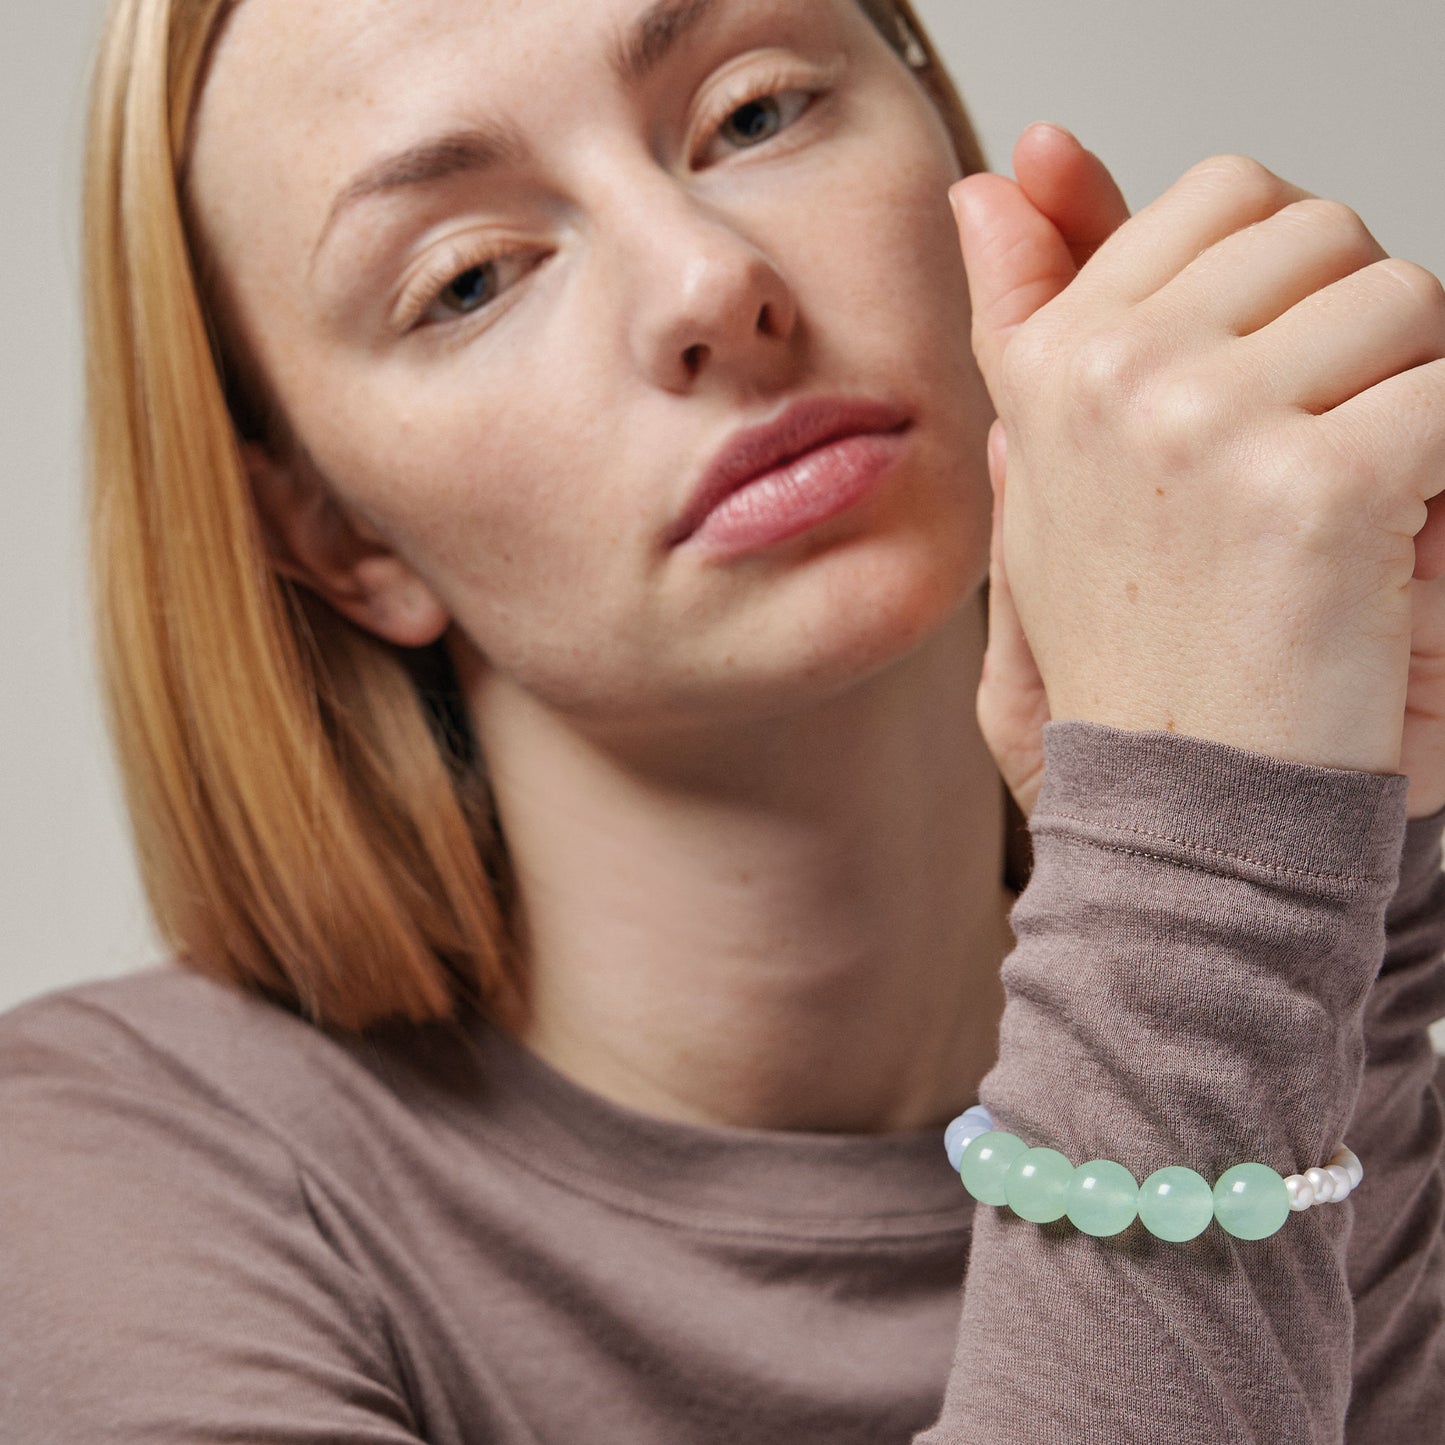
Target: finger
{"x":1430,"y":550}
{"x":1009,"y":663}
{"x":1014,"y":258}
{"x":1349,"y":337}
{"x":1427,"y":636}
{"x":1071,"y":186}
{"x":1256,"y":275}
{"x":1012,"y":706}
{"x":1397,"y":431}
{"x":1212,"y":200}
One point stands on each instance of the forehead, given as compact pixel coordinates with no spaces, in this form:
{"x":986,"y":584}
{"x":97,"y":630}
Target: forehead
{"x":307,"y":62}
{"x":317,"y":59}
{"x":336,"y":83}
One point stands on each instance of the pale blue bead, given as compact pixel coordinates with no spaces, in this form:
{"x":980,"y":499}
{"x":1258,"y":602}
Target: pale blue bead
{"x":963,"y":1130}
{"x":959,"y":1139}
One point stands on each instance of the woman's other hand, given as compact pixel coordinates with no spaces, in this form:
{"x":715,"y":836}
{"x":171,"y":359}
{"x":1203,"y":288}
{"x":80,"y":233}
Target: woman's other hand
{"x":1073,"y":195}
{"x":1422,"y":747}
{"x":1223,"y":433}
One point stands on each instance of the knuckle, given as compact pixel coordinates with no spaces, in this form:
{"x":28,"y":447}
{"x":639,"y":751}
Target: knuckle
{"x":1342,"y":224}
{"x":1307,"y":484}
{"x":1422,"y":287}
{"x":1243,"y":176}
{"x":1023,"y":361}
{"x":1182,"y":414}
{"x":1109,"y":366}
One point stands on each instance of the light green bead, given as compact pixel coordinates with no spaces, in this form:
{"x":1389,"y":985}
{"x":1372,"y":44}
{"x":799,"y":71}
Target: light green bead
{"x":986,"y":1162}
{"x":1034,"y":1186}
{"x":1101,"y":1198}
{"x":1250,"y":1201}
{"x":1175,"y":1203}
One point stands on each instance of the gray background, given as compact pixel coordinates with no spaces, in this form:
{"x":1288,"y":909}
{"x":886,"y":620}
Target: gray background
{"x":1341,"y":99}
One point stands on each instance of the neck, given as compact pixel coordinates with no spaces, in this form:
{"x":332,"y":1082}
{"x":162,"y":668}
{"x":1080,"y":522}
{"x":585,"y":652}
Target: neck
{"x":796,"y":925}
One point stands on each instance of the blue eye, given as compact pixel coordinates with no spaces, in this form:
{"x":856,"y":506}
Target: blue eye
{"x":755,"y":121}
{"x":464,"y":281}
{"x":470,"y":291}
{"x":761,"y":121}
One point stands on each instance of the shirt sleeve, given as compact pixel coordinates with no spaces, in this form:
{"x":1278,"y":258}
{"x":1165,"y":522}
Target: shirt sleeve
{"x":162,"y":1281}
{"x":1397,"y":1247}
{"x":1196,"y":947}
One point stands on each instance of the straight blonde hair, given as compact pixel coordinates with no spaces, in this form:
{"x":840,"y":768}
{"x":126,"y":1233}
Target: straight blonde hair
{"x":310,"y":817}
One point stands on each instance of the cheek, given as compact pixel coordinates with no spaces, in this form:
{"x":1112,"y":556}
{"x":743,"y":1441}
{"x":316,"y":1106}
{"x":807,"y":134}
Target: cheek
{"x":463,"y":466}
{"x":504,"y":507}
{"x":891,"y":252}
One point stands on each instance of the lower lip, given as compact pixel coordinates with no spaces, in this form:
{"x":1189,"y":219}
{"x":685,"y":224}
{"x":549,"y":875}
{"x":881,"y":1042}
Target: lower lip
{"x":799,"y":495}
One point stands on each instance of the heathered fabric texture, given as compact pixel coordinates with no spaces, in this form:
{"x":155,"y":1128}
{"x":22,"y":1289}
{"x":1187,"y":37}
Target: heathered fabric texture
{"x":219,"y":1223}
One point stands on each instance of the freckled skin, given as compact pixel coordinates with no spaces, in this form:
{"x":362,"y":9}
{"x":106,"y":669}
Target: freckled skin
{"x":757,"y":835}
{"x":488,"y":466}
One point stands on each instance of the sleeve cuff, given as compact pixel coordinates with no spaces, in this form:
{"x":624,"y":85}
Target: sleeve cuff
{"x":1205,"y":803}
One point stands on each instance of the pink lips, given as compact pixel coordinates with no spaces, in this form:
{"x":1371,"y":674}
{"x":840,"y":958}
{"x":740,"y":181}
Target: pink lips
{"x":755,"y":451}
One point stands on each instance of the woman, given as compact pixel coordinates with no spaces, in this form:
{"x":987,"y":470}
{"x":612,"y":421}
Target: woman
{"x":611,"y":847}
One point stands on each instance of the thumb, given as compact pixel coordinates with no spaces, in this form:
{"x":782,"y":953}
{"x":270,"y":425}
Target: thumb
{"x":1071,"y":186}
{"x":1009,"y":664}
{"x":1430,"y":541}
{"x":1015,"y":259}
{"x":1012,"y":705}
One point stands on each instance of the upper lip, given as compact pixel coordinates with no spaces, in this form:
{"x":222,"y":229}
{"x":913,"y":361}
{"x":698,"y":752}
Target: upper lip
{"x":801,"y":427}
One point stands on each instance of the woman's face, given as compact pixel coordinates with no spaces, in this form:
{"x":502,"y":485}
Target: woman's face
{"x":509,"y":370}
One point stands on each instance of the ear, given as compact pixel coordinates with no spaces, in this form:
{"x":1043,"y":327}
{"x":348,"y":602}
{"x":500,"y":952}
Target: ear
{"x":311,"y":538}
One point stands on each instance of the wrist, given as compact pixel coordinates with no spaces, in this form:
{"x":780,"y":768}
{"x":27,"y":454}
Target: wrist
{"x":1351,"y":749}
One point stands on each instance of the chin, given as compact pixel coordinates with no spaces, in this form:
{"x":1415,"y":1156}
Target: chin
{"x":844,"y":619}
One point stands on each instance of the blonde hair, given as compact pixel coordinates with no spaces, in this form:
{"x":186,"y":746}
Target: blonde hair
{"x":311,"y":821}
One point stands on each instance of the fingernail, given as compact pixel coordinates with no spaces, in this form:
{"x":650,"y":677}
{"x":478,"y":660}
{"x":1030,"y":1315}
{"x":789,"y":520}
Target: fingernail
{"x":958,"y":201}
{"x":1062,"y":130}
{"x":953,"y":194}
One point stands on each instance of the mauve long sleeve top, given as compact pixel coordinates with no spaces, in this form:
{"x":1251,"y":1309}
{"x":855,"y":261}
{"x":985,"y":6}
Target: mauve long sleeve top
{"x":220,"y":1223}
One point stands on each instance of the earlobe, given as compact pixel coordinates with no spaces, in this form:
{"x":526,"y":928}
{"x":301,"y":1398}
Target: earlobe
{"x":311,"y":539}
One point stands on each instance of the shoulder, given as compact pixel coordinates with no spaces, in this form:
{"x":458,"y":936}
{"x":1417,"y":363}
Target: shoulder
{"x":166,"y":1053}
{"x":157,"y":1011}
{"x":157,"y":1232}
{"x":164,"y":1035}
{"x":135,"y":1074}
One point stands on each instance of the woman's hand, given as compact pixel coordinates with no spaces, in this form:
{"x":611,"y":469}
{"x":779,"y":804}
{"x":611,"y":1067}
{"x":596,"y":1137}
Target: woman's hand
{"x":1072,"y":192}
{"x":1422,"y":748}
{"x":1075,"y":198}
{"x":1223,"y":432}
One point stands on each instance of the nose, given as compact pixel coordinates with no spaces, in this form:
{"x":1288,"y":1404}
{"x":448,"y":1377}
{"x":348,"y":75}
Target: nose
{"x":703,"y":295}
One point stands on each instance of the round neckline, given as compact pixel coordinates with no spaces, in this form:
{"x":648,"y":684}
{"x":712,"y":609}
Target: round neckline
{"x":886,"y":1184}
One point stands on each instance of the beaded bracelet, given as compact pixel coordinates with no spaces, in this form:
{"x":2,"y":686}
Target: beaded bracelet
{"x":1250,"y":1201}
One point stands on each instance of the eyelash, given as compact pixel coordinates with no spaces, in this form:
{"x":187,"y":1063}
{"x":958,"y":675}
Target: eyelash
{"x":762,"y":87}
{"x":452,"y":266}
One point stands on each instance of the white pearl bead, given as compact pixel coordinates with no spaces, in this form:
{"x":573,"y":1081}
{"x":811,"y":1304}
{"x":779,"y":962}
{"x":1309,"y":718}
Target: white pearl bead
{"x":1351,"y":1161}
{"x":1301,"y":1192}
{"x":1343,"y":1183}
{"x":1322,"y":1183}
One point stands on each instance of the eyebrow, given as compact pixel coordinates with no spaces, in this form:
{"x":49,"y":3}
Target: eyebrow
{"x":480,"y":148}
{"x":655,"y":35}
